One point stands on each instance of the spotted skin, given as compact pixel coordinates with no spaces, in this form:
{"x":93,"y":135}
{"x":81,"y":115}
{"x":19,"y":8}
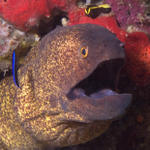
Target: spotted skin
{"x":39,"y":114}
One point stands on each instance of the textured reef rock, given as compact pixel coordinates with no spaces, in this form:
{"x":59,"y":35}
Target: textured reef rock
{"x":10,"y":39}
{"x":131,"y":14}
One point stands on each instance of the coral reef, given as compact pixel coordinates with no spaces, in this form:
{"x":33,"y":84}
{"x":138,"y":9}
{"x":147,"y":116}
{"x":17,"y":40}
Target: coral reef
{"x":137,"y":48}
{"x":133,"y":131}
{"x":131,"y":14}
{"x":25,"y":15}
{"x":108,"y":22}
{"x":10,"y":39}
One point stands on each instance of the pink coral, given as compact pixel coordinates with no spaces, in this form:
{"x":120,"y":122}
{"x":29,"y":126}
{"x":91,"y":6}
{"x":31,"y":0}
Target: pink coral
{"x":130,"y":12}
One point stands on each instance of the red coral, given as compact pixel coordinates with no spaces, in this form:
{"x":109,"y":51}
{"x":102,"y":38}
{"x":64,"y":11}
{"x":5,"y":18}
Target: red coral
{"x":137,"y":48}
{"x":25,"y":14}
{"x":108,"y":22}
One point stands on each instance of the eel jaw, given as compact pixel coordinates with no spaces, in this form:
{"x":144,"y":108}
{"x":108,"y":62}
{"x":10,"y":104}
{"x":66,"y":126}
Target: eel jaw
{"x":101,"y":82}
{"x":97,"y":92}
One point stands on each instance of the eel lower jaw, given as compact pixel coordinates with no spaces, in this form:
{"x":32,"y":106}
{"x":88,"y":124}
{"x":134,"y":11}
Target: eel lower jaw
{"x":95,"y":97}
{"x":80,"y":93}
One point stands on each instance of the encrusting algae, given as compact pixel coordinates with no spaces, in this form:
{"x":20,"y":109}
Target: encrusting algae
{"x":51,"y":107}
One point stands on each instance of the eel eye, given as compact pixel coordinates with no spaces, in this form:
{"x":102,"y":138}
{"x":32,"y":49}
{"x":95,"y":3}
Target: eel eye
{"x":84,"y":52}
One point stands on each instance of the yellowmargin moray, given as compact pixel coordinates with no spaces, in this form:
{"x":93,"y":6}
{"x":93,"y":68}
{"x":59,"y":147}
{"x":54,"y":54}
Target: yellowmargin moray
{"x":57,"y":103}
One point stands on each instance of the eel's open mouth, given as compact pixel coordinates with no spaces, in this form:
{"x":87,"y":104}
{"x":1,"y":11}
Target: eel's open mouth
{"x":100,"y":83}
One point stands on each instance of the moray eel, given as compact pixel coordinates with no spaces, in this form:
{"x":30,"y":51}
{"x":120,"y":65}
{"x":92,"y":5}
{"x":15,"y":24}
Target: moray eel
{"x":66,"y":92}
